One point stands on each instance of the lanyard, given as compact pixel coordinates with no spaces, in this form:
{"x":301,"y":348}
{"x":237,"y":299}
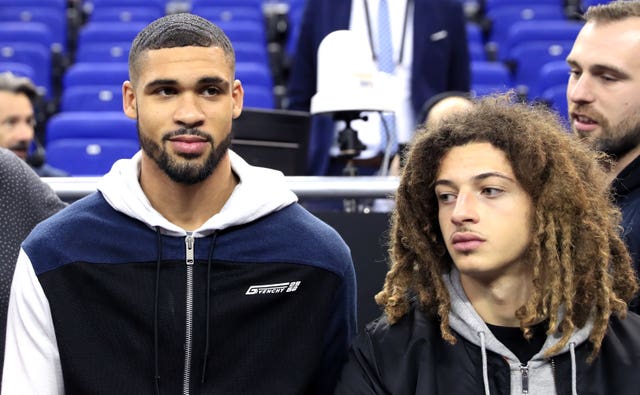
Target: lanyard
{"x":370,"y":33}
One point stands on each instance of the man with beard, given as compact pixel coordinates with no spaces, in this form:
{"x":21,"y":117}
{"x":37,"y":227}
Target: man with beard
{"x":17,"y":122}
{"x":189,"y":271}
{"x":604,"y":103}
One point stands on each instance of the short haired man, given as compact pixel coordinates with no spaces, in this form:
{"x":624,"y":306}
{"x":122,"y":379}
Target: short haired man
{"x":17,"y":122}
{"x":604,"y":102}
{"x":508,"y":274}
{"x":190,"y":271}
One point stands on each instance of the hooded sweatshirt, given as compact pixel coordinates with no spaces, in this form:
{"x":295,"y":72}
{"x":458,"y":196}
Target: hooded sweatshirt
{"x":109,"y":297}
{"x":410,"y":357}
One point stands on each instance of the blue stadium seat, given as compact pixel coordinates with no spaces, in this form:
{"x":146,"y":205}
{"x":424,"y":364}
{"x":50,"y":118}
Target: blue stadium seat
{"x":552,"y":74}
{"x":530,"y":57}
{"x":489,"y":77}
{"x":556,"y":97}
{"x":227,"y":3}
{"x":503,"y":17}
{"x":90,"y":125}
{"x":19,"y":69}
{"x":89,"y":157}
{"x":55,"y":18}
{"x":491,"y":4}
{"x":35,"y":55}
{"x":216,"y":13}
{"x":244,"y":31}
{"x":145,"y":14}
{"x":97,"y":5}
{"x":104,"y":52}
{"x":527,"y":31}
{"x":92,"y":98}
{"x":27,"y":32}
{"x":108,"y":32}
{"x":95,"y":74}
{"x":256,"y":96}
{"x":251,"y":53}
{"x":251,"y":73}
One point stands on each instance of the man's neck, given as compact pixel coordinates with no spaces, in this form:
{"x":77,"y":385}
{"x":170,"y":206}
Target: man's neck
{"x":496,"y":301}
{"x":187,"y":206}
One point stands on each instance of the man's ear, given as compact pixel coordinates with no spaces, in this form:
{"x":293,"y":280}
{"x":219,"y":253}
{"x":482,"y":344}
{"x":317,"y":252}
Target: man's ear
{"x":129,"y":100}
{"x":237,"y":95}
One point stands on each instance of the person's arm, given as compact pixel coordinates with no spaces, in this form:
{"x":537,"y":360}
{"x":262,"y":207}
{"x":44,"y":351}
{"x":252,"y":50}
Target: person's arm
{"x":31,"y":360}
{"x":460,"y":65}
{"x":360,"y":375}
{"x":340,"y":332}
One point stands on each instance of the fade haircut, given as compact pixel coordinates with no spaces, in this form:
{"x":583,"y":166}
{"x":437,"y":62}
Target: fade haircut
{"x":614,"y":11}
{"x":178,"y":30}
{"x":579,"y":265}
{"x":10,"y":82}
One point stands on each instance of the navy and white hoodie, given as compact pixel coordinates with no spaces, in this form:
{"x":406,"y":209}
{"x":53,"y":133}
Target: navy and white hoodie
{"x":109,"y":297}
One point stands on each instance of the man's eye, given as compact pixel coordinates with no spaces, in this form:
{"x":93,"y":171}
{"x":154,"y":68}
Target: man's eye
{"x":446,"y":197}
{"x":211,"y":91}
{"x":489,"y":191}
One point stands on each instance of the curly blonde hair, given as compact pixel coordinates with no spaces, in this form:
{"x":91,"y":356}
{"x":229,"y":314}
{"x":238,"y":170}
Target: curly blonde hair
{"x":578,"y":260}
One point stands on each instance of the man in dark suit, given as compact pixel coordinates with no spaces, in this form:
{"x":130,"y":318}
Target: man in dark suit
{"x":430,"y":42}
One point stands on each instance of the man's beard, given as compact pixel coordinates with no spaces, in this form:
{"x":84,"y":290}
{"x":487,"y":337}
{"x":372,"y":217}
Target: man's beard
{"x":615,"y":141}
{"x":184,"y":172}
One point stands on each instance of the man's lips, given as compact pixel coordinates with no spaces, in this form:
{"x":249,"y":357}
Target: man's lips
{"x":188,"y":144}
{"x":466,"y":241}
{"x":583,"y":122}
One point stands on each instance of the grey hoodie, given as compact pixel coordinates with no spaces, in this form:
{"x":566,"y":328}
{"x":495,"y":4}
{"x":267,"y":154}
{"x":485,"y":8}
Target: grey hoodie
{"x":536,"y":377}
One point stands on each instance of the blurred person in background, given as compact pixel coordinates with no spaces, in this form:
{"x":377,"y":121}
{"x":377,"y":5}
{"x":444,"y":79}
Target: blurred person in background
{"x":603,"y":94}
{"x":18,"y":121}
{"x":24,"y":201}
{"x":429,"y":55}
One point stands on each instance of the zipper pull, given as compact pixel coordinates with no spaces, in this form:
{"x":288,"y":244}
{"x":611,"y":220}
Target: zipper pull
{"x":188,"y":241}
{"x":524,"y":370}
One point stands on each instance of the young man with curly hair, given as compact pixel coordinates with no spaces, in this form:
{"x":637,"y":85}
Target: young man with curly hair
{"x":508,"y":274}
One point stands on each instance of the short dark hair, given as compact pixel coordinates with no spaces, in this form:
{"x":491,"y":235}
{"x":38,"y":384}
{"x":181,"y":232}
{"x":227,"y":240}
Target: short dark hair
{"x":10,"y":82}
{"x":178,"y":30}
{"x":613,"y":11}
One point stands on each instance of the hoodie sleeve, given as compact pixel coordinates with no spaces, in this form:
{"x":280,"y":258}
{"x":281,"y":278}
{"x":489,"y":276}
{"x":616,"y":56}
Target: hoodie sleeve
{"x":32,"y":361}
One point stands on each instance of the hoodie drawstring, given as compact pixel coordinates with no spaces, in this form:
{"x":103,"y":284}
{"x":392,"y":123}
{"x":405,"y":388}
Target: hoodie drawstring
{"x":206,"y":343}
{"x":572,"y":351}
{"x":485,"y":371}
{"x":156,"y":349}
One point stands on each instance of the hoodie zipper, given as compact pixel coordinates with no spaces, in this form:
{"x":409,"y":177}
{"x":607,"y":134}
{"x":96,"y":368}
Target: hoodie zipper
{"x":524,"y":370}
{"x":189,"y":242}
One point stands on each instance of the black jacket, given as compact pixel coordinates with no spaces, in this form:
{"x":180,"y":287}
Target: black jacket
{"x":411,"y":357}
{"x":626,"y":190}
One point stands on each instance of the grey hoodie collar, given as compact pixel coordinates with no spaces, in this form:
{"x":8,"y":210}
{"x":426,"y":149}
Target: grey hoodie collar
{"x":261,"y":191}
{"x":464,"y":319}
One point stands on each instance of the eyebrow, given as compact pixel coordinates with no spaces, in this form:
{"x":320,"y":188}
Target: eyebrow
{"x":478,"y":177}
{"x":601,"y":68}
{"x":224,"y":84}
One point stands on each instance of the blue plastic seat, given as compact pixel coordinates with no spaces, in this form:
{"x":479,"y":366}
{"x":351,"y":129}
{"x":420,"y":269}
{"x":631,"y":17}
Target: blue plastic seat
{"x":92,"y":98}
{"x":19,"y":69}
{"x":95,"y":74}
{"x":35,"y":55}
{"x":556,"y":97}
{"x":122,"y":13}
{"x":256,"y":96}
{"x":251,"y":53}
{"x":548,"y":31}
{"x":90,"y":125}
{"x":108,"y":32}
{"x":530,"y":57}
{"x":27,"y":32}
{"x":489,"y":77}
{"x":89,"y":157}
{"x":552,"y":74}
{"x":244,"y":31}
{"x":55,"y":18}
{"x":251,"y":73}
{"x":104,"y":52}
{"x":503,"y":17}
{"x":216,"y":13}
